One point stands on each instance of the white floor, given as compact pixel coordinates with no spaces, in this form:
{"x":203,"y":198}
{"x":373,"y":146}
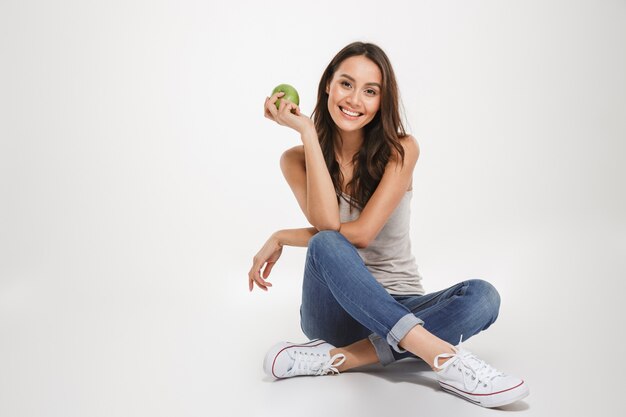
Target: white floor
{"x":162,"y":343}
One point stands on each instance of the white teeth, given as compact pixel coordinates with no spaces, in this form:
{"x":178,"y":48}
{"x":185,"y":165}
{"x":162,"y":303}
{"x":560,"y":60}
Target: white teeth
{"x":349,"y":113}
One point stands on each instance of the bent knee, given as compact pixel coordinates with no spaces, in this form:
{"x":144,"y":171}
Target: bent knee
{"x":324,"y":239}
{"x":489,"y":297}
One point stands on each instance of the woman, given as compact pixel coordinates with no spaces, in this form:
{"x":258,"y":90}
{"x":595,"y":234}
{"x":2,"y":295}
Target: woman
{"x":352,"y":177}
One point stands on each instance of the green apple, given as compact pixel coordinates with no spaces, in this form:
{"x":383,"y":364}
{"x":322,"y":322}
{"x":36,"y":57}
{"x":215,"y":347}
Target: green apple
{"x":290,"y":94}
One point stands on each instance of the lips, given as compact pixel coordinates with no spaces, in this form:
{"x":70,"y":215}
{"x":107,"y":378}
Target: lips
{"x":350,"y":112}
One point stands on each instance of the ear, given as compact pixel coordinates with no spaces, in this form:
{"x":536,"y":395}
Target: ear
{"x":327,"y":87}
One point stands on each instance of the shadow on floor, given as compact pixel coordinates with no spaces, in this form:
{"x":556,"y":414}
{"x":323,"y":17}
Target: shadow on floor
{"x":416,"y":371}
{"x":413,"y":371}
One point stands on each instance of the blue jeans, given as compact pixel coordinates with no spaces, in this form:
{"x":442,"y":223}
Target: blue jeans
{"x":342,"y":303}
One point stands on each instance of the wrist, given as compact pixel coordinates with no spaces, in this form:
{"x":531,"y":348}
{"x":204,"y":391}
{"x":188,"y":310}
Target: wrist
{"x":309,"y":134}
{"x":277,"y":238}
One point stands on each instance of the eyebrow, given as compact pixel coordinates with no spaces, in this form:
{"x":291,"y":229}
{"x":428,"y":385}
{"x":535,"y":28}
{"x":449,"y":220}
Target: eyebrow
{"x":353,"y":80}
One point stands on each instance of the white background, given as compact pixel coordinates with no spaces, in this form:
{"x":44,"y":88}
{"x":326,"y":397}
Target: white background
{"x":138,"y":177}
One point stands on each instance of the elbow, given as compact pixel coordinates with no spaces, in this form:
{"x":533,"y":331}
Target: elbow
{"x":325,"y":223}
{"x":363,"y":238}
{"x":361,"y":242}
{"x":356,"y":234}
{"x":320,"y":226}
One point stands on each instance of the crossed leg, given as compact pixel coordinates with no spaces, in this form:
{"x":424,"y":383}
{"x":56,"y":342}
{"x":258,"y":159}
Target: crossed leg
{"x":341,"y":303}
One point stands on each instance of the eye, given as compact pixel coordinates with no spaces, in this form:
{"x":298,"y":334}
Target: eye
{"x":371,"y":91}
{"x":345,"y":83}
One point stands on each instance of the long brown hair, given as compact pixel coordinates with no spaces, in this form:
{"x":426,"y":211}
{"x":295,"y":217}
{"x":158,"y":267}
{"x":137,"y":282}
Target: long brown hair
{"x":381,"y":135}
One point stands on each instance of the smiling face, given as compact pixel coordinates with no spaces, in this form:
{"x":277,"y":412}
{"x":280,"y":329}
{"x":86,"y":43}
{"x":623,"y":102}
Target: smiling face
{"x":354,"y":93}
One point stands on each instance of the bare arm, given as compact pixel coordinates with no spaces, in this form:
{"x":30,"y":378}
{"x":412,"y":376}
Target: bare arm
{"x":294,"y":166}
{"x":321,"y":200}
{"x":305,"y":169}
{"x":392,"y":187}
{"x":266,"y":258}
{"x":319,"y":205}
{"x":295,"y":237}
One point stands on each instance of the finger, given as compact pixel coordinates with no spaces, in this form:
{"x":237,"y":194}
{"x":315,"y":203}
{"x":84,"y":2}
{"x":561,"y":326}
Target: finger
{"x":258,"y":280}
{"x":283,"y":103}
{"x":272,"y":100}
{"x":254,"y":277}
{"x":268,"y":269}
{"x":285,"y":109}
{"x":250,"y":281}
{"x":275,"y":96}
{"x":259,"y":284}
{"x":270,"y":108}
{"x":265,"y":110}
{"x":267,"y":283}
{"x":287,"y":106}
{"x":281,"y":113}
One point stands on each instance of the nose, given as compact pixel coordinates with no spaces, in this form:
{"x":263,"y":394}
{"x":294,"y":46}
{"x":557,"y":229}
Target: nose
{"x":354,"y":99}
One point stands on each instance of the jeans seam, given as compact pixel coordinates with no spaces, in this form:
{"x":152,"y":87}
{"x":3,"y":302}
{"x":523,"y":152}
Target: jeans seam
{"x":315,"y":273}
{"x":443,"y":304}
{"x":321,"y":265}
{"x":447,"y":301}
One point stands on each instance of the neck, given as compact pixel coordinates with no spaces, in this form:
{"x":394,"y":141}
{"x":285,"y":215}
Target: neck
{"x":348,"y":144}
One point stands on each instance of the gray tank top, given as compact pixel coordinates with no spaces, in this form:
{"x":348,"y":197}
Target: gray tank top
{"x":388,"y":257}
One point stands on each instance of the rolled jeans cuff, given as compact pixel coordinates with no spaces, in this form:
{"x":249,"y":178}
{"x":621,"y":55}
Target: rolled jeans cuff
{"x":383,"y":350}
{"x":397,"y":333}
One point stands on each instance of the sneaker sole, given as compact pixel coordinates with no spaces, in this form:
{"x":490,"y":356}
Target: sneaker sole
{"x":496,"y":399}
{"x":272,"y":354}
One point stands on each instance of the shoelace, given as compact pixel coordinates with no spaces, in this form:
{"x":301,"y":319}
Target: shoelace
{"x":480,"y":371}
{"x":307,"y":363}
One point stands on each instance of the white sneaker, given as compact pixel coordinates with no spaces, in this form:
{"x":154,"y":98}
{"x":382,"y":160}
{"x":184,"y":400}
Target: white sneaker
{"x":474,"y":380}
{"x":287,"y":359}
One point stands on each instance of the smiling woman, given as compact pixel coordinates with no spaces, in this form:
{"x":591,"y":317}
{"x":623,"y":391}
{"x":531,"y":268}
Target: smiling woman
{"x":356,"y":100}
{"x":362,"y":298}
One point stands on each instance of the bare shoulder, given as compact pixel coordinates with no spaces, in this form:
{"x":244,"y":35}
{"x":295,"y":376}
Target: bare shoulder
{"x":293,"y":166}
{"x":410,"y":145}
{"x":411,"y":149}
{"x":293,"y":155}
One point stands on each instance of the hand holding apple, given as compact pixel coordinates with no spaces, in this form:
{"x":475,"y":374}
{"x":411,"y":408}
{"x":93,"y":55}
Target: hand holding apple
{"x":286,"y":112}
{"x":291,"y":94}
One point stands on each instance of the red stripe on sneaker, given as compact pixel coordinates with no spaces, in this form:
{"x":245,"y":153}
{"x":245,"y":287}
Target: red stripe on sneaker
{"x":307,"y":344}
{"x":482,"y":395}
